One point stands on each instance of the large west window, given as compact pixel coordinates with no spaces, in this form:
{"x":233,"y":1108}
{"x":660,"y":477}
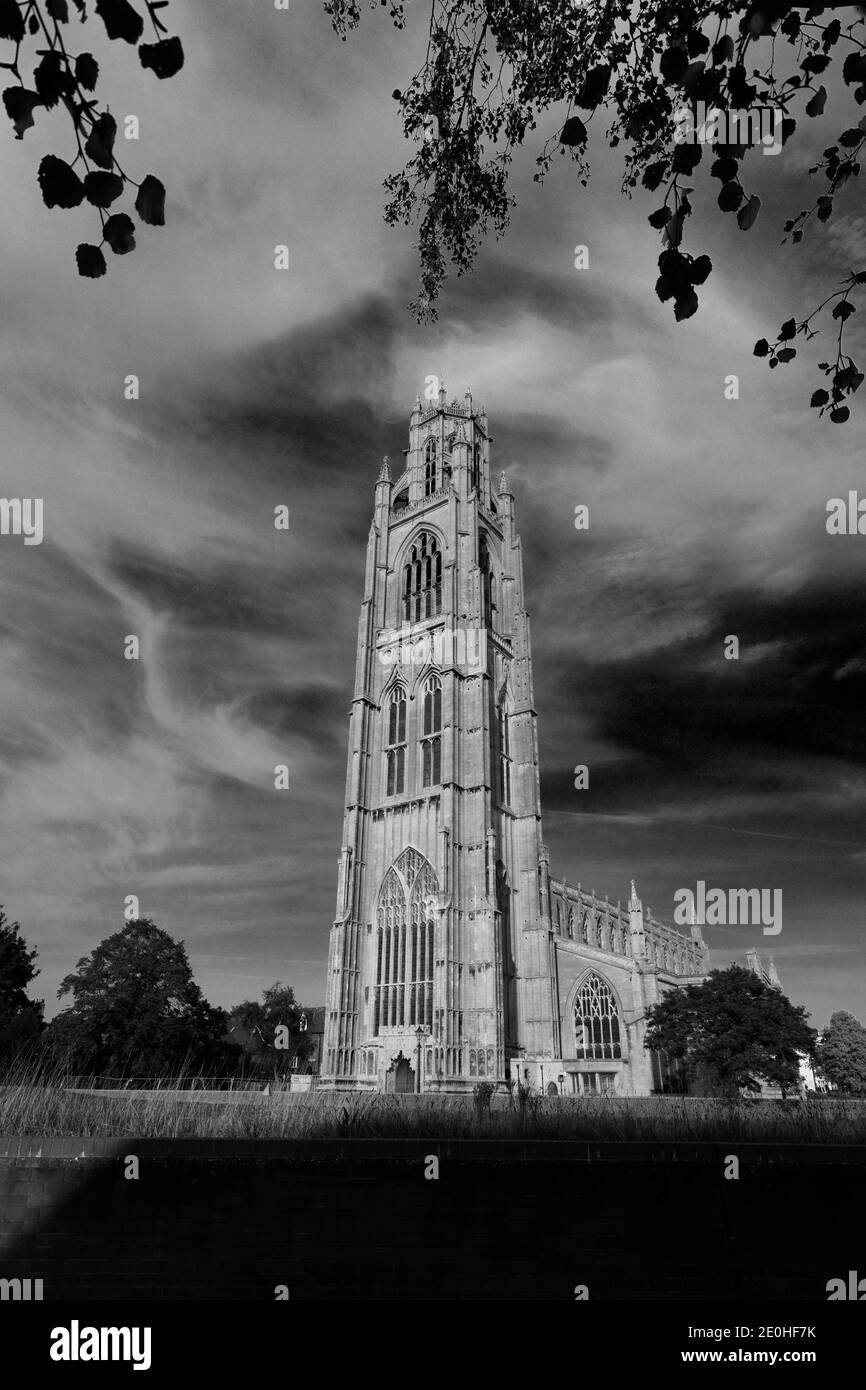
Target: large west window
{"x":596,"y":1021}
{"x":422,"y":580}
{"x":405,"y":944}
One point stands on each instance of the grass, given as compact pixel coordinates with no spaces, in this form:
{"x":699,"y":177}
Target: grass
{"x":50,"y":1108}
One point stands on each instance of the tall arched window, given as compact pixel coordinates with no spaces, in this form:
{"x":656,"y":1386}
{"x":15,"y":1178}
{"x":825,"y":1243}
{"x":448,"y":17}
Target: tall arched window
{"x":504,"y":755}
{"x":475,"y":468}
{"x":431,"y":733}
{"x":405,"y":950}
{"x":488,"y":589}
{"x":571,"y":923}
{"x":430,"y":467}
{"x":596,"y":1021}
{"x":395,"y":752}
{"x":422,"y":580}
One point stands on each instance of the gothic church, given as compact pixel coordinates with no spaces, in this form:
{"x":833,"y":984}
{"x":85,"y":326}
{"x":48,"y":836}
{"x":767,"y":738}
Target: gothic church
{"x":455,"y":954}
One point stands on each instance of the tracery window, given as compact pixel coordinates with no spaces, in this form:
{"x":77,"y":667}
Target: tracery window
{"x":504,"y":756}
{"x":596,"y":1021}
{"x":430,"y":467}
{"x":488,"y":588}
{"x":422,"y":580}
{"x":431,"y":733}
{"x":405,"y":945}
{"x":395,"y":753}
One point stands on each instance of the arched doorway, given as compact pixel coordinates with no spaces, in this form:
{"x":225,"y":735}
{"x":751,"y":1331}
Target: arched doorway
{"x":400,"y":1076}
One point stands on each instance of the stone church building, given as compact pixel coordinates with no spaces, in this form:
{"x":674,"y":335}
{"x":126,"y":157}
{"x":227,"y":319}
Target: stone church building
{"x":456,"y":955}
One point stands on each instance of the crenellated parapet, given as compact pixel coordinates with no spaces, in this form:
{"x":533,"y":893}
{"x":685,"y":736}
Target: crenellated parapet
{"x":580,"y":916}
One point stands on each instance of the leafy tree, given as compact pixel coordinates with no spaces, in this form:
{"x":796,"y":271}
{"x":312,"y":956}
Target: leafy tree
{"x":732,"y":1032}
{"x":136,"y":1009}
{"x":255,"y":1026}
{"x":20,"y":1016}
{"x":494,"y":68}
{"x":59,"y":76}
{"x":841,"y":1054}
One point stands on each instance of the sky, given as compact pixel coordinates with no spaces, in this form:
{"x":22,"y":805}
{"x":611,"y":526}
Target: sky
{"x":261,"y":387}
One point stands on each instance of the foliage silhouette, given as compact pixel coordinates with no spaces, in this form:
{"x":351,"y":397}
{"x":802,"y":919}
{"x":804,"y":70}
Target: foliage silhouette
{"x":494,"y":68}
{"x":137,"y":1009}
{"x":732,"y":1032}
{"x":60,"y":77}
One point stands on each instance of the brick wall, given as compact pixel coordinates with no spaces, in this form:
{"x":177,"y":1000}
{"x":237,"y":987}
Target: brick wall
{"x":358,"y":1220}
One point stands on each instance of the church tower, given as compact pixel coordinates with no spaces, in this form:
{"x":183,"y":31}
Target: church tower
{"x":440,"y":965}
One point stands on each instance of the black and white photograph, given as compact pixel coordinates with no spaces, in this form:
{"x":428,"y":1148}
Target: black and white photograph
{"x":432,"y":671}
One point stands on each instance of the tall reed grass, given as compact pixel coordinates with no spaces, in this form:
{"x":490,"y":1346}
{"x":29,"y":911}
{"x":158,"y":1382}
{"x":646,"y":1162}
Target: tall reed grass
{"x":49,"y":1106}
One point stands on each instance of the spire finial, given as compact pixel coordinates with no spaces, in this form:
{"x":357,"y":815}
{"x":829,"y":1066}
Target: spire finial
{"x":385,"y":471}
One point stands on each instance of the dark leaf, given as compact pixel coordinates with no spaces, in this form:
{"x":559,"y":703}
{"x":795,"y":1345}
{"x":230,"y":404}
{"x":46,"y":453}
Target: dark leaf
{"x":789,"y":125}
{"x":786,"y":354}
{"x":150,"y":203}
{"x":593,"y":91}
{"x":166,"y":57}
{"x":101,"y":189}
{"x":573,"y":132}
{"x":690,"y":79}
{"x":854,"y":68}
{"x":120,"y":19}
{"x":20,"y":105}
{"x":815,"y":106}
{"x":730,"y":197}
{"x":52,"y":79}
{"x":788,"y":330}
{"x":831,"y":34}
{"x":664,"y":288}
{"x":697,"y":43}
{"x":61,"y":186}
{"x":91,"y":261}
{"x":685,"y":305}
{"x":748,"y":213}
{"x":723,"y":51}
{"x":659,"y":218}
{"x":850,"y":138}
{"x":100,"y":142}
{"x":840,"y":414}
{"x":820,"y":397}
{"x":59,"y":10}
{"x":86,"y":70}
{"x":119,"y":232}
{"x":11,"y":21}
{"x":673,"y":233}
{"x":815,"y":62}
{"x":686,"y":158}
{"x":653,"y":175}
{"x":700,"y":269}
{"x":844,"y":309}
{"x":674,"y":64}
{"x":725,"y":168}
